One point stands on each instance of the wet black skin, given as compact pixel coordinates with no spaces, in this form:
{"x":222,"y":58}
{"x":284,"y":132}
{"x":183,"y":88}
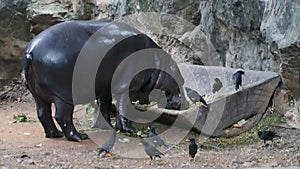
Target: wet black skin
{"x":49,"y":61}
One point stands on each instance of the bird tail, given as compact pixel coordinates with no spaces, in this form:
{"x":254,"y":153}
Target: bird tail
{"x":203,"y":102}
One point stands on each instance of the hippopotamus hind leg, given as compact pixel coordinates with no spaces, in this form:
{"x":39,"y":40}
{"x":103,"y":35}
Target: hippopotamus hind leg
{"x":45,"y":117}
{"x":64,"y":117}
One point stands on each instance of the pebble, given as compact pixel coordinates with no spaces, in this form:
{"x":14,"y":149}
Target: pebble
{"x":38,"y":145}
{"x":234,"y":161}
{"x":124,"y":140}
{"x":249,"y":164}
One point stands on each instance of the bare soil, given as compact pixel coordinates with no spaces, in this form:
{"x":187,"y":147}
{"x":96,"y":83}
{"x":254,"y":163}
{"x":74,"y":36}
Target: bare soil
{"x":23,"y":145}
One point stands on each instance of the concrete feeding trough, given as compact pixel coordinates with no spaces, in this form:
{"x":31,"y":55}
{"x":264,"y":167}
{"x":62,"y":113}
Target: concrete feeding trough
{"x":230,"y":112}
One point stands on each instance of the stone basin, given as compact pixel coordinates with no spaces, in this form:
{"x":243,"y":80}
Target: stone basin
{"x":227,"y":107}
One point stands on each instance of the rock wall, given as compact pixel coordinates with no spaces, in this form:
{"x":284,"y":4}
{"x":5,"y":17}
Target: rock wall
{"x":259,"y":35}
{"x":281,"y":27}
{"x":14,"y":35}
{"x":45,"y":13}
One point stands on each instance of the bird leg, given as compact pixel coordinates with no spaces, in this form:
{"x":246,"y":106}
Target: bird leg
{"x":108,"y":155}
{"x":192,"y":159}
{"x":149,"y":162}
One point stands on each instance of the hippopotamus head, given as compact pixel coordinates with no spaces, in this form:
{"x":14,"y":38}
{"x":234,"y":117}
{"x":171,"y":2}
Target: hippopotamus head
{"x":174,"y":103}
{"x":169,"y":94}
{"x":177,"y":101}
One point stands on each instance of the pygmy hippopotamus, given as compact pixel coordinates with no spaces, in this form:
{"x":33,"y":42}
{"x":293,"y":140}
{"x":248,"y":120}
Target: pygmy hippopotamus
{"x":76,"y":62}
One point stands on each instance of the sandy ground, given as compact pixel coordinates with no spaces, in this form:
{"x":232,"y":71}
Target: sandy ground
{"x":23,"y":145}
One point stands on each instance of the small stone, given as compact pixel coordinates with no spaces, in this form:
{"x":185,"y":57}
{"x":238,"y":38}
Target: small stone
{"x":124,"y":140}
{"x":38,"y":145}
{"x":234,"y":161}
{"x":249,"y":164}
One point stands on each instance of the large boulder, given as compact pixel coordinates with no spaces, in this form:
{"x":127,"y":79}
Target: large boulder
{"x":43,"y":14}
{"x":293,"y":116}
{"x":165,"y":21}
{"x":231,"y":29}
{"x":15,"y":32}
{"x":259,"y":35}
{"x":234,"y":29}
{"x":290,"y":68}
{"x":281,"y":26}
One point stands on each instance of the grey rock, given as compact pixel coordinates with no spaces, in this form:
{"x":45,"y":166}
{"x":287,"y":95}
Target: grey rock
{"x":14,"y":33}
{"x":43,"y":14}
{"x":290,"y":68}
{"x":259,"y":35}
{"x":293,"y":116}
{"x":281,"y":26}
{"x":282,"y":101}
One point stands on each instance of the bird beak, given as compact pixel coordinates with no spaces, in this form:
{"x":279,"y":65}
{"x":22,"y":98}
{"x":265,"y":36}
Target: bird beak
{"x":187,"y":140}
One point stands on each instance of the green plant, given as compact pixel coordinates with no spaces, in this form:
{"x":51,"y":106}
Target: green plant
{"x":21,"y":118}
{"x":246,"y":138}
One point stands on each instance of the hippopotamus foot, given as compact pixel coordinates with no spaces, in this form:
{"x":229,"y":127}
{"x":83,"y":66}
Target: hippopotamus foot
{"x":122,"y":124}
{"x":45,"y":117}
{"x":63,"y":116}
{"x":54,"y":134}
{"x":73,"y":135}
{"x":77,"y":137}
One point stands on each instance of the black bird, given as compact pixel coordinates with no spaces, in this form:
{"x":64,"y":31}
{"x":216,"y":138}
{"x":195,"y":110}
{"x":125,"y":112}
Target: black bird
{"x":267,"y":135}
{"x":192,"y":148}
{"x":195,"y":96}
{"x":108,"y":145}
{"x":217,"y":85}
{"x":156,"y":140}
{"x":237,"y":79}
{"x":151,"y":151}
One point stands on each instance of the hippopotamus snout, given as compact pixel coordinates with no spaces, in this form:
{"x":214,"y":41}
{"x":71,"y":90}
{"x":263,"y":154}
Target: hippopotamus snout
{"x":174,"y":103}
{"x":177,"y":102}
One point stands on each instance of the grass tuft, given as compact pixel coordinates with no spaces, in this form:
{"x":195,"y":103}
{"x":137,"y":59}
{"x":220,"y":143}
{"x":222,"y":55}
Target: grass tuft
{"x":246,"y":138}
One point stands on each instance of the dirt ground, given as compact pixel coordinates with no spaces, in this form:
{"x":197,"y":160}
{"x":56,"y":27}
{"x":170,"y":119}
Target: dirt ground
{"x":23,"y":145}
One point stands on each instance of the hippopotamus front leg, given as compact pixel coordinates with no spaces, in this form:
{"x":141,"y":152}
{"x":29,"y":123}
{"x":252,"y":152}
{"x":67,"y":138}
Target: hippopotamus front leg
{"x":64,"y":117}
{"x":45,"y":117}
{"x":122,"y":123}
{"x":104,"y":110}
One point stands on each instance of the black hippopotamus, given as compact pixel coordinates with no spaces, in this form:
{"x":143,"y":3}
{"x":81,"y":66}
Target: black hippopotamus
{"x":80,"y":61}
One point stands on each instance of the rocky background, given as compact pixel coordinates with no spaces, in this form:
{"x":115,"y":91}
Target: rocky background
{"x":251,"y":34}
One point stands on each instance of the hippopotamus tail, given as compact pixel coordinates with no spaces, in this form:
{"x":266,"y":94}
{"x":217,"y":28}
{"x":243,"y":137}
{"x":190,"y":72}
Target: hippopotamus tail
{"x":27,"y":59}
